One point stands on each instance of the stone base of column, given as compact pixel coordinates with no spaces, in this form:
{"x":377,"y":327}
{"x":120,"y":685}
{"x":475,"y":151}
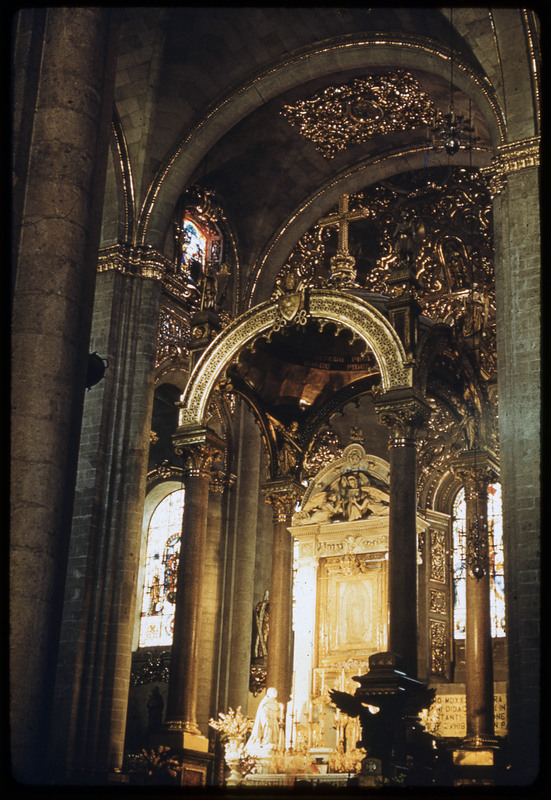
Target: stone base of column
{"x":182,"y":740}
{"x":477,"y":741}
{"x":478,"y":761}
{"x":193,"y":749}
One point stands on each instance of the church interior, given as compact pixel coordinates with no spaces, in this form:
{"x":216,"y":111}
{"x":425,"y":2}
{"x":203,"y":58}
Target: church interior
{"x":275,"y":397}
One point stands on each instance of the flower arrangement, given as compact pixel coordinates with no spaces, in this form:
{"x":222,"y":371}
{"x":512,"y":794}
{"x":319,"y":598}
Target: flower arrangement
{"x":153,"y":765}
{"x":349,"y":761}
{"x":233,"y":725}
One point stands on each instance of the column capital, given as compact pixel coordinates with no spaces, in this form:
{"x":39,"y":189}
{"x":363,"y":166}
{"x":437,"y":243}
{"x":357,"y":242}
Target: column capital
{"x":200,"y":448}
{"x":476,"y":469}
{"x":283,"y":495}
{"x":403,"y":411}
{"x":220,"y":481}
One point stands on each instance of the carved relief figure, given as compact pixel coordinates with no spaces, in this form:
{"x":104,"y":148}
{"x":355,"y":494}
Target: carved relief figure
{"x":408,"y":235}
{"x":324,"y":506}
{"x":350,"y":497}
{"x":360,"y":502}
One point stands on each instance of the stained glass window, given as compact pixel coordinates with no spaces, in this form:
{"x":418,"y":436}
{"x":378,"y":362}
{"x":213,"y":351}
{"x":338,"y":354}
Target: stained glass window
{"x":161,"y":564}
{"x":194,"y":244}
{"x":497,"y":585}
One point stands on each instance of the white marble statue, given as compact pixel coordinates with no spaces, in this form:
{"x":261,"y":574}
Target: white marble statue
{"x":264,"y":736}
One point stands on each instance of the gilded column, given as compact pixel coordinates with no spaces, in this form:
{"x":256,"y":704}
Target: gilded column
{"x":283,"y":496}
{"x":477,"y":469}
{"x":200,"y":448}
{"x":403,"y":412}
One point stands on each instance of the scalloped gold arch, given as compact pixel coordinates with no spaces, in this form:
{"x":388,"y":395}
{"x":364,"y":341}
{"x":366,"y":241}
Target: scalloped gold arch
{"x":360,"y":317}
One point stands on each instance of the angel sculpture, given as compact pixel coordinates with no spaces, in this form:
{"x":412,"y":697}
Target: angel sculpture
{"x":324,"y":506}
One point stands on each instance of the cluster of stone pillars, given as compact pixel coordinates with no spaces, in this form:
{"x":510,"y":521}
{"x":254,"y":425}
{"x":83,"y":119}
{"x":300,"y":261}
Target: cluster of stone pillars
{"x":201,"y":448}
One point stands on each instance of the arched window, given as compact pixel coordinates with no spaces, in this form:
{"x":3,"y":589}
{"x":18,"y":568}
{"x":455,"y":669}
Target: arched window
{"x":161,"y":564}
{"x":497,"y":587}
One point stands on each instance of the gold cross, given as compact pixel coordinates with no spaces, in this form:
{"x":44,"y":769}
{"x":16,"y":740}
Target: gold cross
{"x":342,"y":219}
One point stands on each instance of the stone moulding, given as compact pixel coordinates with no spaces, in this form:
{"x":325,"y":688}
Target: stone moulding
{"x":345,"y":310}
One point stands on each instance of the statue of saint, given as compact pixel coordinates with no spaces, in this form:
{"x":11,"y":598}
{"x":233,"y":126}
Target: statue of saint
{"x":408,"y":235}
{"x":155,"y":706}
{"x":288,"y":448}
{"x":262,"y":626}
{"x":264,"y":736}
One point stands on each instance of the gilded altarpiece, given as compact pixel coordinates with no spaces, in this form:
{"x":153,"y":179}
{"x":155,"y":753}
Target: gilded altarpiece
{"x":341,"y":612}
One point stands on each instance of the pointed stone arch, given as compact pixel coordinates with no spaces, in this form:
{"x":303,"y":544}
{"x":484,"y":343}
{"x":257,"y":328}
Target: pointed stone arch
{"x":365,"y":322}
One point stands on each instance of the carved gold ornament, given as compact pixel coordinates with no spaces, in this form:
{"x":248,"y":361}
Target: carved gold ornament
{"x":438,"y":569}
{"x":454,"y":273}
{"x":173,"y":337}
{"x":357,"y":111}
{"x":438,"y":647}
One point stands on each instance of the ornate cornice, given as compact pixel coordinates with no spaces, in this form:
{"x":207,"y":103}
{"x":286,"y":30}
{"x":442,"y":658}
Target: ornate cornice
{"x":139,"y":260}
{"x":510,"y":158}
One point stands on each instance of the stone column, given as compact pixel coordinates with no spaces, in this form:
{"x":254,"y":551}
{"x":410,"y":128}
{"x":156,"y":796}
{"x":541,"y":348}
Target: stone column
{"x":477,"y":469}
{"x":62,"y":115}
{"x":403,"y":412}
{"x":201,"y":448}
{"x":518,"y":257}
{"x":95,"y":645}
{"x":212,"y":600}
{"x":242,"y":558}
{"x":283,"y":495}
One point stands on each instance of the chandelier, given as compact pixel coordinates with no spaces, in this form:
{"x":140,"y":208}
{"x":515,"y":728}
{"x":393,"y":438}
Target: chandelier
{"x":451,"y":131}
